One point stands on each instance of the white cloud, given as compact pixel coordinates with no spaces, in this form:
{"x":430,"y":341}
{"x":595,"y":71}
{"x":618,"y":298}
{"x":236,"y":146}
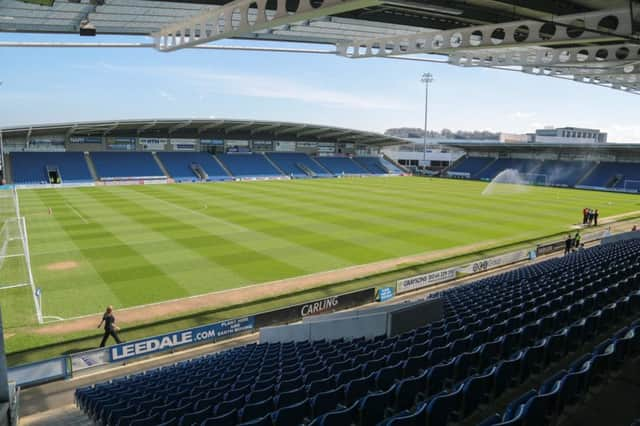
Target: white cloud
{"x":260,"y":86}
{"x":168,"y":96}
{"x":522,"y":115}
{"x":624,"y":133}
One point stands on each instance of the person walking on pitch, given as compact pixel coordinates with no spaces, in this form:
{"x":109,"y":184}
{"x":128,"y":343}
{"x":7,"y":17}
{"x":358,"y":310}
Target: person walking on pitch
{"x":110,"y":327}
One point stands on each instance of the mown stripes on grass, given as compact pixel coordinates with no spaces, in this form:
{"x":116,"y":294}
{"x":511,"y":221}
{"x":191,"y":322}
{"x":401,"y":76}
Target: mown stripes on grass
{"x":143,"y":244}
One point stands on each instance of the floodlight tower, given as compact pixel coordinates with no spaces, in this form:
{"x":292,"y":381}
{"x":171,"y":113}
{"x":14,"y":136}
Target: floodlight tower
{"x":427,"y":79}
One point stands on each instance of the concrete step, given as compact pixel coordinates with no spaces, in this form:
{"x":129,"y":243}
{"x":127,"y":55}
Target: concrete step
{"x":68,"y":415}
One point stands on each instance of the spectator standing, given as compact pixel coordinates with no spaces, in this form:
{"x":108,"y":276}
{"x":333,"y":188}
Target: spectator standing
{"x":576,"y":239}
{"x":568,"y":243}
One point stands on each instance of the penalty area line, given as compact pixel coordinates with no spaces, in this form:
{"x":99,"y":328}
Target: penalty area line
{"x":77,"y":213}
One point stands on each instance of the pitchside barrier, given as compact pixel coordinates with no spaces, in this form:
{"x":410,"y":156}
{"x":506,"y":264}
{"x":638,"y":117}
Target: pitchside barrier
{"x":63,"y":368}
{"x":322,"y":306}
{"x":388,"y":320}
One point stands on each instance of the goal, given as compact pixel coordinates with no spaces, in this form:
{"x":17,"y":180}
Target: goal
{"x":535,"y":178}
{"x":15,"y":261}
{"x":631,"y":185}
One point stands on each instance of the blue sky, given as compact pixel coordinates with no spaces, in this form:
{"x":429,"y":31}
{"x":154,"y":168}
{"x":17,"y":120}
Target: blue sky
{"x":55,"y":85}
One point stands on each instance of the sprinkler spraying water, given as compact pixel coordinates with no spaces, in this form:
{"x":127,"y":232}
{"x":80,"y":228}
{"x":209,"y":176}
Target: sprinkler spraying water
{"x":506,"y":182}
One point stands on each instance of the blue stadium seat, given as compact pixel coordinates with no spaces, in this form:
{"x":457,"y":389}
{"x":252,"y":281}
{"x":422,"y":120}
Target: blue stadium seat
{"x":339,"y":417}
{"x":197,"y":417}
{"x":476,"y":390}
{"x":323,"y":402}
{"x":290,"y":397}
{"x":417,"y":418}
{"x":291,"y":414}
{"x":372,"y":408}
{"x":443,"y":405}
{"x":263,"y":421}
{"x":228,"y":419}
{"x":438,"y":377}
{"x":256,"y":410}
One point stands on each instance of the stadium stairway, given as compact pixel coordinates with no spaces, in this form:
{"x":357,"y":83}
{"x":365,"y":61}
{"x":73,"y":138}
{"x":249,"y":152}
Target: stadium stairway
{"x":68,"y":415}
{"x":479,"y":172}
{"x":8,"y":172}
{"x":224,"y":167}
{"x":444,"y":171}
{"x":395,"y":163}
{"x":588,"y":173}
{"x":275,"y":166}
{"x":327,"y":171}
{"x":91,"y":166}
{"x":162,"y":167}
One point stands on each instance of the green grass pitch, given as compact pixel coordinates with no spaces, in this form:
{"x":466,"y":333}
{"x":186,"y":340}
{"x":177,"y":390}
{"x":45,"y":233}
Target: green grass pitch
{"x":134,"y":245}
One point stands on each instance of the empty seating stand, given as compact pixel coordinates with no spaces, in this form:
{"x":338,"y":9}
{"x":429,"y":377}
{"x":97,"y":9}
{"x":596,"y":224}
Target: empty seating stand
{"x":192,"y":166}
{"x":609,"y":175}
{"x":32,"y":167}
{"x":471,"y":166}
{"x":495,"y":334}
{"x":298,"y":165}
{"x":373,"y":165}
{"x":563,"y":173}
{"x":248,"y":165}
{"x":342,"y":165}
{"x":501,"y":164}
{"x":126,"y":165}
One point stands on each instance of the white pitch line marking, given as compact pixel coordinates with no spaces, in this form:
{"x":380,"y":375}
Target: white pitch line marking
{"x":77,"y":213}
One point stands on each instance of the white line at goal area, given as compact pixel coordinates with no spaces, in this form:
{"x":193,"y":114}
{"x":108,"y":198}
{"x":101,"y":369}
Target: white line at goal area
{"x":15,"y":260}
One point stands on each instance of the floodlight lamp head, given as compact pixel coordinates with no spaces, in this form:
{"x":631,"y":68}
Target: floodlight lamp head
{"x":427,"y":78}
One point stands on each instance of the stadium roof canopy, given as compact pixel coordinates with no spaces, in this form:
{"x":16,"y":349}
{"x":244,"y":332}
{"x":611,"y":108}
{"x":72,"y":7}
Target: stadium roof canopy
{"x":615,"y":149}
{"x":206,"y":128}
{"x":590,"y":41}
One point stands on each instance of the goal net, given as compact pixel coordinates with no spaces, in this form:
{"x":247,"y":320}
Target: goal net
{"x":14,"y":271}
{"x":15,"y":261}
{"x":631,"y":185}
{"x":535,"y":178}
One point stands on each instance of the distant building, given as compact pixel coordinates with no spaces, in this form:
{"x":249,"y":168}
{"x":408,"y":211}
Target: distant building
{"x":513,"y":138}
{"x":567,"y":135}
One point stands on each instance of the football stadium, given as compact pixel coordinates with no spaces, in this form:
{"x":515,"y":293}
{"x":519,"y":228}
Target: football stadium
{"x":214,"y":271}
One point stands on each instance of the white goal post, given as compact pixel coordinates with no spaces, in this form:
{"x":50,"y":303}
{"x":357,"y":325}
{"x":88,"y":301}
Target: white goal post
{"x":535,"y":178}
{"x":15,"y":259}
{"x":631,"y":185}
